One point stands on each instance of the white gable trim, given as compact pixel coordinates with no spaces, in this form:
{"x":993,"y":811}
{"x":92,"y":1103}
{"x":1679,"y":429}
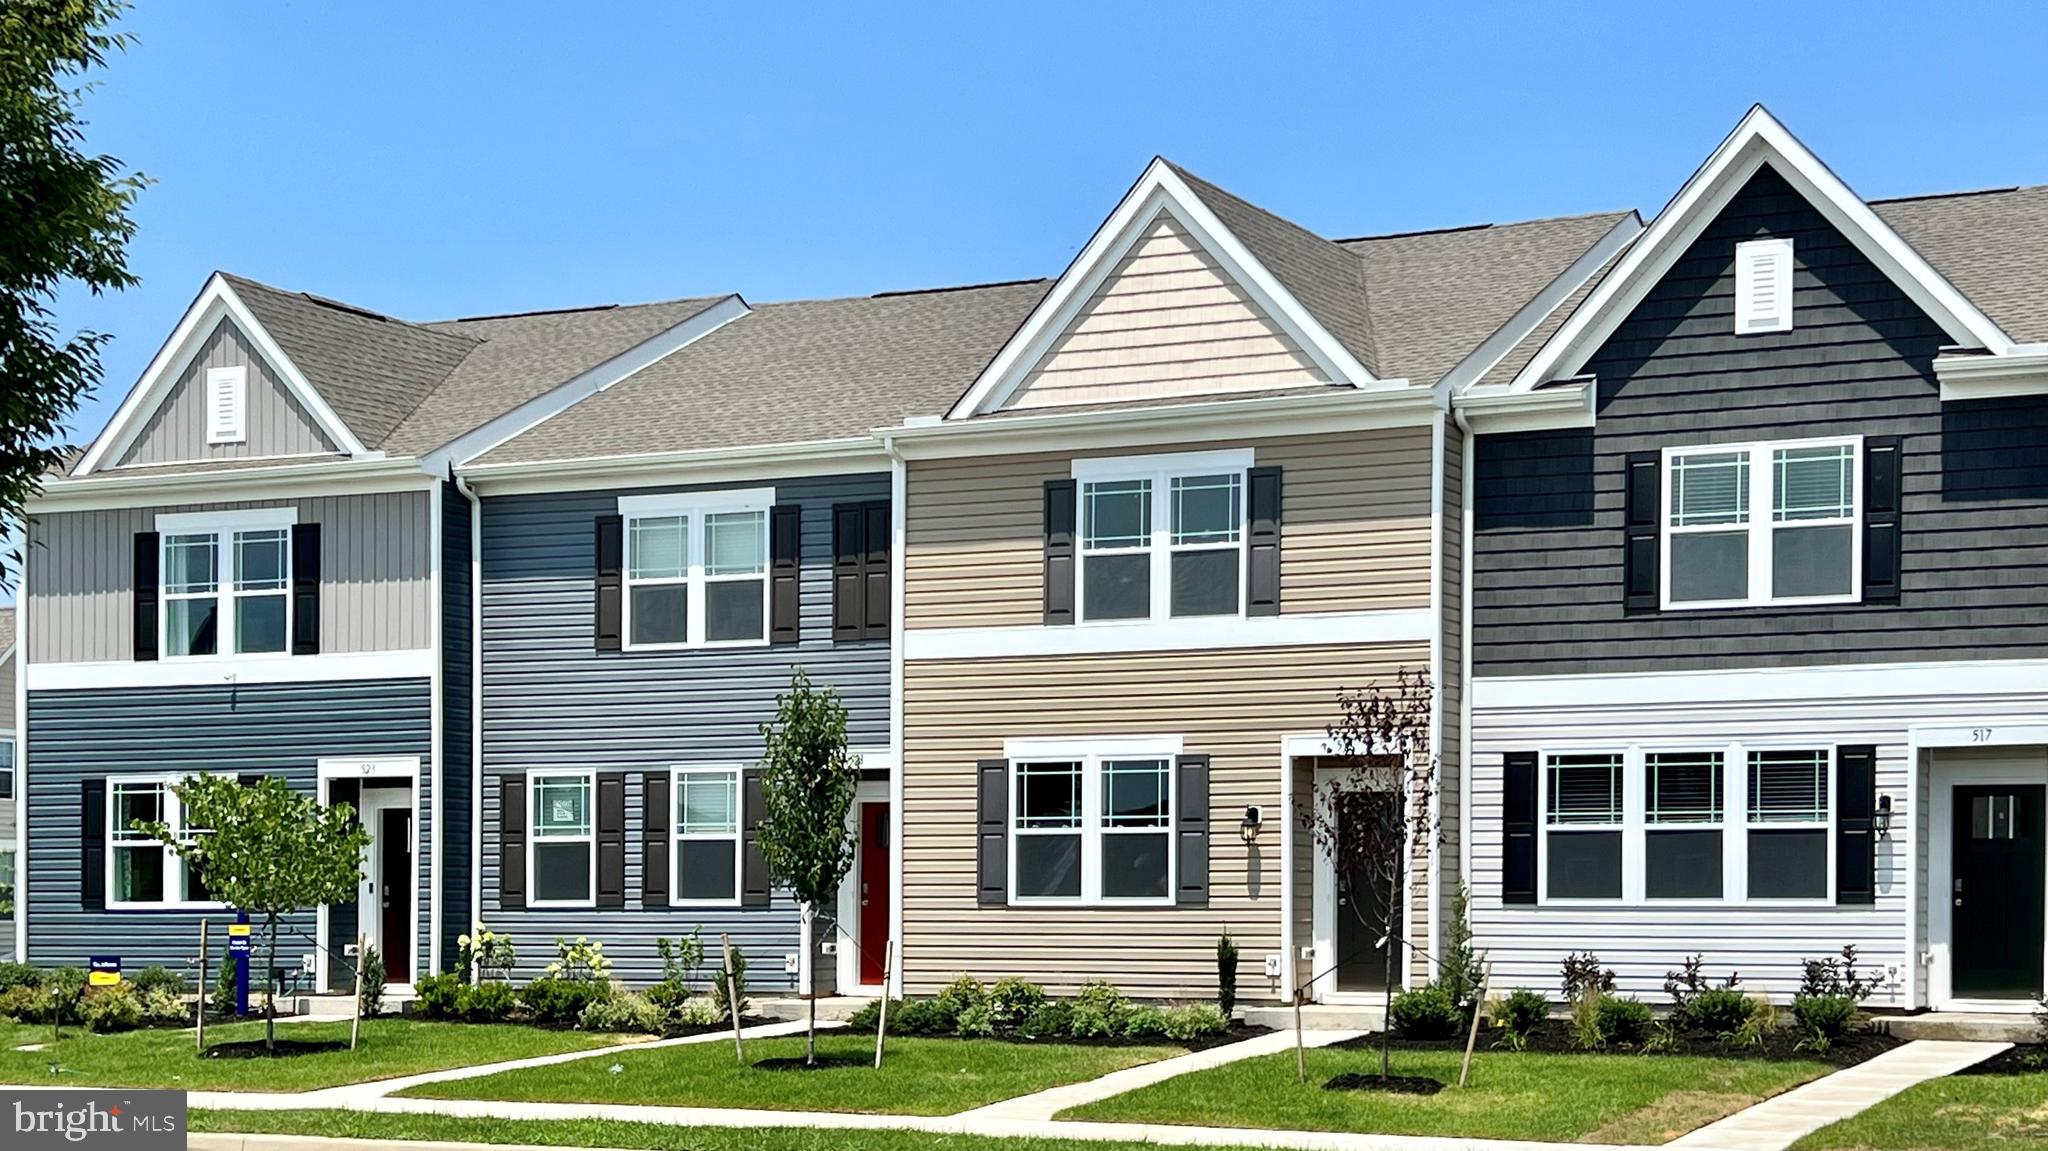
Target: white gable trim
{"x":1758,"y":139}
{"x":1159,"y":189}
{"x":216,"y":301}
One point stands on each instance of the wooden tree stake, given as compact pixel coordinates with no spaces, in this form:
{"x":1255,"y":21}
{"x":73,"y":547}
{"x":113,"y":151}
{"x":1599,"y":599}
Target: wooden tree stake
{"x":1472,"y":1036}
{"x":200,"y":1007}
{"x":732,"y":999}
{"x":355,"y":1025}
{"x":882,"y":1017}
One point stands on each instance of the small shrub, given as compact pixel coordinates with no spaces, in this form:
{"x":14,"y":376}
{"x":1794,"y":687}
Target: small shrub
{"x":485,"y":955}
{"x":1687,"y":984}
{"x":1010,"y":1002}
{"x":158,"y":978}
{"x":13,"y":975}
{"x":727,"y":990}
{"x":1719,"y":1010}
{"x":491,"y":1002}
{"x":438,"y":996}
{"x":1050,"y":1019}
{"x":21,"y":1004}
{"x":581,"y":961}
{"x":695,"y":1012}
{"x":108,"y":1009}
{"x":1756,"y":1027}
{"x":370,"y":997}
{"x":1143,"y":1021}
{"x":920,"y":1017}
{"x":1226,"y":974}
{"x":1426,"y":1012}
{"x":2041,"y":1023}
{"x":1518,"y":1014}
{"x":1459,"y":970}
{"x":977,"y":1022}
{"x":560,"y":1002}
{"x":961,"y":994}
{"x":1585,"y":1021}
{"x":682,"y":960}
{"x":1622,"y":1020}
{"x":1099,"y":1011}
{"x":163,"y":1008}
{"x":63,"y":995}
{"x":1583,"y":973}
{"x":868,"y":1015}
{"x":1822,"y":1019}
{"x":624,"y":1012}
{"x":221,"y":1002}
{"x":1191,"y":1021}
{"x":1835,"y":977}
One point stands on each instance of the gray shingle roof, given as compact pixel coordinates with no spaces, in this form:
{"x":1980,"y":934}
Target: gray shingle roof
{"x":793,"y":372}
{"x":1993,"y":246}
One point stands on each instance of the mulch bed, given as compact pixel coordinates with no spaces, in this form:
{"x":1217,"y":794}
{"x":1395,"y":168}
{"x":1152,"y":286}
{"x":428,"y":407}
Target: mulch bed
{"x":2019,"y":1059}
{"x":724,"y":1025}
{"x":1392,"y":1084}
{"x":825,"y":1062}
{"x":285,"y":1048}
{"x":1555,"y":1037}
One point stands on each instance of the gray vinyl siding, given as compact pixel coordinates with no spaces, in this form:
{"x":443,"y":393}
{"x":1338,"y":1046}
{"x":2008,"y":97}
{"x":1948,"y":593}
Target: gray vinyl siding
{"x":1547,"y":582}
{"x":274,"y":422}
{"x":551,"y":700}
{"x":277,"y":729}
{"x":375,"y":592}
{"x":457,"y":710}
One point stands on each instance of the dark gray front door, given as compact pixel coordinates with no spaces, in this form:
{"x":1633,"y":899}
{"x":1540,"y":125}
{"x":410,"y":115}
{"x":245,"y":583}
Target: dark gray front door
{"x":1996,"y":910}
{"x":1362,"y":906}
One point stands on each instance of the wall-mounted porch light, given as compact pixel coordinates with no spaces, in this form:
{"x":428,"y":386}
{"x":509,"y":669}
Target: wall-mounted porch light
{"x":1884,"y":815}
{"x":1248,"y":828}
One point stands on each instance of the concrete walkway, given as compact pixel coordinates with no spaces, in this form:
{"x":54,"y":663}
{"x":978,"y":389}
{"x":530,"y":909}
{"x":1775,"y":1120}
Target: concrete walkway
{"x":1048,"y":1103}
{"x":1778,"y":1122}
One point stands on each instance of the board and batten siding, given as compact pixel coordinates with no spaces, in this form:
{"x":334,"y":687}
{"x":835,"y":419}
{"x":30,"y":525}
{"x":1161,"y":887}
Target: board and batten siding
{"x":271,"y":729}
{"x":274,"y":422}
{"x":375,"y":588}
{"x":1547,"y":581}
{"x":550,"y":700}
{"x":1355,"y":527}
{"x":1764,"y":942}
{"x":1167,"y":321}
{"x":1234,"y":705}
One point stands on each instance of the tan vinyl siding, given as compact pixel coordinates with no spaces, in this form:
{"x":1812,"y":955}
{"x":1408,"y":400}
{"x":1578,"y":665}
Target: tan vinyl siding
{"x":274,"y":422}
{"x":959,"y":712}
{"x":374,"y":586}
{"x":1167,"y":321}
{"x":1355,"y":528}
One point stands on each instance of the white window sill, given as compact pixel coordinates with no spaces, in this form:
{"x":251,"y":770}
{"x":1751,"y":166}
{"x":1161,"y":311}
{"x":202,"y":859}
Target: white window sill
{"x":701,"y":904}
{"x":707,"y":646}
{"x":569,"y":904}
{"x":1800,"y":601}
{"x":166,"y":905}
{"x":1086,"y":904}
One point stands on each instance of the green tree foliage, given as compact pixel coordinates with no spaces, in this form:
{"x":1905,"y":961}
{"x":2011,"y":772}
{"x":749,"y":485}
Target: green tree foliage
{"x":808,"y":780}
{"x":267,"y":850}
{"x":63,"y":219}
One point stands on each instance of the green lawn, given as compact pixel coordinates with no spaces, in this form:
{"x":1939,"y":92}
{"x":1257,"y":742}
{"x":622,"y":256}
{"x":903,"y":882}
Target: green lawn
{"x":389,"y":1047}
{"x":919,"y":1076}
{"x":1958,"y":1113}
{"x":628,"y":1136}
{"x":1587,"y":1098}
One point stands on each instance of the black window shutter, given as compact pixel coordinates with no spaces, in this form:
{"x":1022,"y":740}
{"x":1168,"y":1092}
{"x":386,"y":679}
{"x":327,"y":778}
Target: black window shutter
{"x":1881,"y":499}
{"x":876,"y":599}
{"x":148,"y":594}
{"x":849,"y":572}
{"x":993,"y":839}
{"x":611,"y":582}
{"x":250,"y":779}
{"x":92,"y":845}
{"x":611,"y":839}
{"x":511,"y":841}
{"x":1855,"y":833}
{"x":1641,"y":492}
{"x":1518,"y":827}
{"x":1059,"y":551}
{"x":654,"y":812}
{"x":785,"y":569}
{"x":1191,"y":800}
{"x":754,"y":879}
{"x":306,"y":589}
{"x":1262,"y":575}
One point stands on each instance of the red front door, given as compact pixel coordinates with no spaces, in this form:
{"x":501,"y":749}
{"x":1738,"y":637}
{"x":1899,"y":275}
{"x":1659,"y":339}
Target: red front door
{"x":874,"y":892}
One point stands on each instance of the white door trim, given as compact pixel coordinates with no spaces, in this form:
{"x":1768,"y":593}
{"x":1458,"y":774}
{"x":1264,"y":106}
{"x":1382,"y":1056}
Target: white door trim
{"x":330,"y":768}
{"x":847,"y":954}
{"x":2027,"y":764}
{"x":1323,"y":915}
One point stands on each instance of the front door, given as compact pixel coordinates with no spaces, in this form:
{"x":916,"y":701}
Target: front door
{"x":1362,"y":907}
{"x":1997,"y":891}
{"x":874,"y":893}
{"x":394,"y":869}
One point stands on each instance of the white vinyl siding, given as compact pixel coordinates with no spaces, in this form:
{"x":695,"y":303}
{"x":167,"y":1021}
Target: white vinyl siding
{"x":1763,"y":286}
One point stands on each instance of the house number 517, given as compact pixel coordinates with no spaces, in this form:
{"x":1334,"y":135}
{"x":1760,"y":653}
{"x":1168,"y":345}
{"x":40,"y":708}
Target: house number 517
{"x":1980,"y":735}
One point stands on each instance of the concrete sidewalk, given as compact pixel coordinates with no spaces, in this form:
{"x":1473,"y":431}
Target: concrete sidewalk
{"x":1050,"y":1102}
{"x":1780,"y":1121}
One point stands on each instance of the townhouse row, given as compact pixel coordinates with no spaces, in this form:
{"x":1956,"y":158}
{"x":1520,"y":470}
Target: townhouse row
{"x":1722,"y":539}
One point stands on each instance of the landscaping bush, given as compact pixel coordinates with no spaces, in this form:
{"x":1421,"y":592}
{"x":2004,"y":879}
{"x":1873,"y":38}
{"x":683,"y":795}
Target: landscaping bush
{"x":1099,"y":1011}
{"x":370,"y":999}
{"x":1427,"y":1012}
{"x":867,"y":1015}
{"x":1583,"y":973}
{"x":1756,"y":1027}
{"x":158,"y":978}
{"x":13,"y":975}
{"x":1718,"y":1010}
{"x":1835,"y":976}
{"x":1687,"y":985}
{"x":1518,"y":1015}
{"x":581,"y":961}
{"x":485,"y":954}
{"x":221,"y":1000}
{"x":108,"y":1009}
{"x":961,"y":994}
{"x":1051,"y":1019}
{"x":164,"y":1008}
{"x":560,"y":1002}
{"x":920,"y":1017}
{"x":1622,"y":1020}
{"x":491,"y":1002}
{"x":1823,"y":1019}
{"x":439,"y":996}
{"x":63,"y":991}
{"x":1226,"y":974}
{"x":698,"y":1011}
{"x":1191,"y":1021}
{"x":624,"y":1012}
{"x":1143,"y":1021}
{"x":21,"y":1003}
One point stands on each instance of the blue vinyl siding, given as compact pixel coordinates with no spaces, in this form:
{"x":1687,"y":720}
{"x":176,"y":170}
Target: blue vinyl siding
{"x":551,"y":700}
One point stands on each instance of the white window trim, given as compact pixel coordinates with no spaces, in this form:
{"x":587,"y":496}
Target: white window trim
{"x":1777,"y":252}
{"x":533,"y":836}
{"x":677,"y":836}
{"x":1091,"y":754}
{"x":13,"y":750}
{"x":1161,"y":469}
{"x":1734,"y":825}
{"x":695,"y":506}
{"x":222,"y":526}
{"x":1760,"y":525}
{"x":237,"y":378}
{"x":174,"y":866}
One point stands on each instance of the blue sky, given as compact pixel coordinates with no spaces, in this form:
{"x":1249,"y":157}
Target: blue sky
{"x":444,"y":159}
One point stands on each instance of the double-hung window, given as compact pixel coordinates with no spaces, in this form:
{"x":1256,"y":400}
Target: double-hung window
{"x":1790,"y":823}
{"x":707,"y":846}
{"x":1682,"y":824}
{"x":1162,"y":537}
{"x":697,"y":569}
{"x":226,"y":582}
{"x":143,"y":871}
{"x":1757,"y":524}
{"x":1092,"y":822}
{"x":6,"y":765}
{"x":1582,"y":816}
{"x":562,"y":860}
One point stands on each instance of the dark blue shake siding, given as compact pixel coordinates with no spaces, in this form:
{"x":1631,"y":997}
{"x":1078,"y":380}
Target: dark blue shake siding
{"x":278,"y":729}
{"x":457,"y":710}
{"x":551,"y":700}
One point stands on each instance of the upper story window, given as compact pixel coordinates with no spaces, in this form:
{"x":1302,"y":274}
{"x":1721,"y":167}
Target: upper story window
{"x":1756,"y":524}
{"x":227,"y":580}
{"x":143,"y":871}
{"x":696,"y":569}
{"x":1092,"y":822}
{"x":562,"y":865}
{"x":6,"y":765}
{"x":707,"y":848}
{"x":1162,"y":537}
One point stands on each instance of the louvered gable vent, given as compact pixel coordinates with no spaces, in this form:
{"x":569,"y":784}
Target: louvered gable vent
{"x":226,"y":403}
{"x":1763,"y":286}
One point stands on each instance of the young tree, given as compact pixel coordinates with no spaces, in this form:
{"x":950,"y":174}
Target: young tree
{"x":65,"y":220}
{"x":1369,"y":820}
{"x":267,"y":850}
{"x":808,"y":780}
